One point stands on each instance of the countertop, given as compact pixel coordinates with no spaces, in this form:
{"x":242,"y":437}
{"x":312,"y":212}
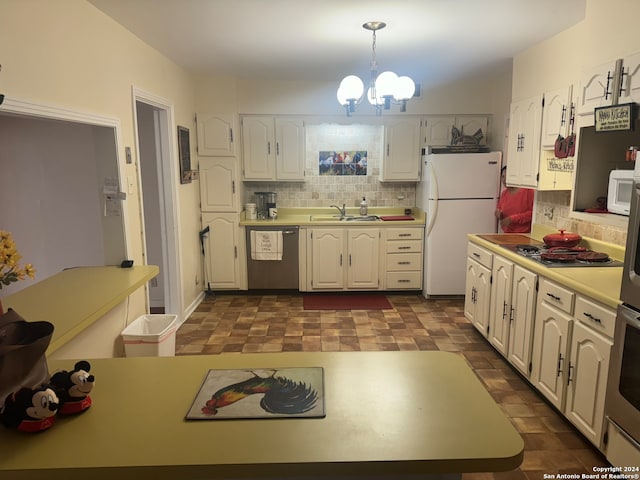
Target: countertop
{"x":387,"y":414}
{"x":77,"y":297}
{"x":599,"y":283}
{"x":309,"y":217}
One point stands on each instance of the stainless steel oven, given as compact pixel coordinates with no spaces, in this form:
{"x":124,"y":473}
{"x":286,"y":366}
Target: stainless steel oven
{"x":623,"y":389}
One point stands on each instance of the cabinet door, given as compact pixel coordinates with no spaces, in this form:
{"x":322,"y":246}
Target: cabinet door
{"x":550,"y":347}
{"x":477,"y":295}
{"x":630,"y":80}
{"x":222,"y":265}
{"x":437,"y":131}
{"x":555,"y":116}
{"x":216,"y":134}
{"x":596,"y":88}
{"x":290,"y":152}
{"x":363,"y":245}
{"x":523,"y":303}
{"x":218,"y":177}
{"x":525,"y":123}
{"x":327,"y":246}
{"x":502,"y":278}
{"x":401,"y":158}
{"x":258,"y":148}
{"x":588,"y":370}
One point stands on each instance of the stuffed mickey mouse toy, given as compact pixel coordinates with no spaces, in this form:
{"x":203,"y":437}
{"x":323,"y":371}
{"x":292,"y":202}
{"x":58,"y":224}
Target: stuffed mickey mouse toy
{"x":30,"y":410}
{"x":73,"y":388}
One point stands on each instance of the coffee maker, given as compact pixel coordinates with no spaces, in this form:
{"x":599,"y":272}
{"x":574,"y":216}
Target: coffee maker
{"x":266,"y":205}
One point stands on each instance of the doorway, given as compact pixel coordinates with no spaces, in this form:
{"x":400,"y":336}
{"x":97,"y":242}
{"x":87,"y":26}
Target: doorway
{"x":156,"y":186}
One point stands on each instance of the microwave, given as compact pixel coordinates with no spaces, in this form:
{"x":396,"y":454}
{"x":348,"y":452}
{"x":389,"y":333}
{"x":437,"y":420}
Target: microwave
{"x":619,"y":192}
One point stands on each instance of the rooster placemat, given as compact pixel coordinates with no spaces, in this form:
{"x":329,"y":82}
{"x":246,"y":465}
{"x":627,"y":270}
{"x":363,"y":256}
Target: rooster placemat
{"x":260,"y":393}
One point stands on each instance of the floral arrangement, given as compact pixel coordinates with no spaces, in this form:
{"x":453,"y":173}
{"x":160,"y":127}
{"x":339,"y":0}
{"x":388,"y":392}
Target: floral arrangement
{"x":10,"y":271}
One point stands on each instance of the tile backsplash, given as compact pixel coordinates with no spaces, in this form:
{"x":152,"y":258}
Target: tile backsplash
{"x":323,"y":190}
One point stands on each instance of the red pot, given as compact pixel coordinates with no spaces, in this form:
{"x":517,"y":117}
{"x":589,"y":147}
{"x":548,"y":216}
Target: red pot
{"x":562,"y":239}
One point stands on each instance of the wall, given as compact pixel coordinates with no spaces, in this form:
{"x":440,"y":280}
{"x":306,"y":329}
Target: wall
{"x":70,"y":55}
{"x":608,"y":32}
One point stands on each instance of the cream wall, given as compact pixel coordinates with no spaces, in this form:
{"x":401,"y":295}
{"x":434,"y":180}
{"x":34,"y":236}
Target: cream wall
{"x":70,"y":55}
{"x":609,"y":32}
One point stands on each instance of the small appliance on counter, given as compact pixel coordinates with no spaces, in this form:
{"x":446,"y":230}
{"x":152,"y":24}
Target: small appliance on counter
{"x":266,"y":205}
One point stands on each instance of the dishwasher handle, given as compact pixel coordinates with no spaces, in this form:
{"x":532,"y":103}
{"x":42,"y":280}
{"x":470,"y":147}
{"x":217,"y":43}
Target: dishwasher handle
{"x":289,"y":232}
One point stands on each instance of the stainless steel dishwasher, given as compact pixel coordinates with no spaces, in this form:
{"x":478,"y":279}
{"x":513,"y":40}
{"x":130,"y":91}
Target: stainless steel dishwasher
{"x":274,"y":274}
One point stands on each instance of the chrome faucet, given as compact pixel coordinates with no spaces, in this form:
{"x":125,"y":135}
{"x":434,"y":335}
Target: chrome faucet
{"x":343,"y":210}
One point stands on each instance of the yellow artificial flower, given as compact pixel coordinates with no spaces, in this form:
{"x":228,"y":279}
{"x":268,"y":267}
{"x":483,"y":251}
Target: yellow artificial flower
{"x":10,"y":271}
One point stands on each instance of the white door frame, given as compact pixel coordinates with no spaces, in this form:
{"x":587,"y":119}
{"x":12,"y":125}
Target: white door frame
{"x":168,"y":176}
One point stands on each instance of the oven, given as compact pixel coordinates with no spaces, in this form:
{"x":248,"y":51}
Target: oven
{"x":623,"y":389}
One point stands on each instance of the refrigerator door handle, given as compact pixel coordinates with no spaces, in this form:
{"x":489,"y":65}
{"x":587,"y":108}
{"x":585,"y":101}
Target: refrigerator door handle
{"x":431,"y":216}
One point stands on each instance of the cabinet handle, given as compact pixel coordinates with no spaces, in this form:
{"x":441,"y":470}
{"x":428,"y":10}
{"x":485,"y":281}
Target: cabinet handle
{"x":477,"y":255}
{"x":233,"y":186}
{"x":504,"y":310}
{"x":231,"y":135}
{"x":404,"y":263}
{"x":349,"y":259}
{"x":559,"y":372}
{"x":269,"y":148}
{"x":403,"y":281}
{"x":606,"y":88}
{"x":474,"y":298}
{"x":278,"y":148}
{"x":621,"y":89}
{"x":404,"y":248}
{"x":569,"y":379}
{"x":563,"y":120}
{"x":511,"y":314}
{"x":553,"y":297}
{"x":405,"y":235}
{"x":591,"y":317}
{"x":387,"y":149}
{"x":340,"y":259}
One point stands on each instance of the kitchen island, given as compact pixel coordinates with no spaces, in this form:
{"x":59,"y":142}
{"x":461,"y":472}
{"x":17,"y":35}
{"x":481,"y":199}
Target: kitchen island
{"x":388,"y":415}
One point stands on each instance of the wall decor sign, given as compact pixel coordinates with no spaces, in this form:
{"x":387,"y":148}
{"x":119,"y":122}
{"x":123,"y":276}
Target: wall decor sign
{"x":560,"y":164}
{"x":347,"y":162}
{"x":260,"y":393}
{"x":184,"y":155}
{"x":616,"y":117}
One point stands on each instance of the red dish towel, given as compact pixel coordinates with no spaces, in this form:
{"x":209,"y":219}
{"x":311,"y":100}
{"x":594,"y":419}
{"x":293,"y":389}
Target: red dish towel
{"x":388,"y":218}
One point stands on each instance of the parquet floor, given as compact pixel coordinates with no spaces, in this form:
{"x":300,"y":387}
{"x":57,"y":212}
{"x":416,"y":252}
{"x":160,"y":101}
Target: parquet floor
{"x":236,"y":324}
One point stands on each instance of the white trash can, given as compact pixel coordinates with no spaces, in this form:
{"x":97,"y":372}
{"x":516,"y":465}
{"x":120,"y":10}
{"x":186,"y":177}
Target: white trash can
{"x":151,"y":336}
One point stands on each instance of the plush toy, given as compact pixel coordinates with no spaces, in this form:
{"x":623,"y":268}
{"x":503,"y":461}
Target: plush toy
{"x":73,"y":388}
{"x":30,"y":410}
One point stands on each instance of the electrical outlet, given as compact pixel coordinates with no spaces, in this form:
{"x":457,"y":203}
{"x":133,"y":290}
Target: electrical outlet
{"x":153,"y":282}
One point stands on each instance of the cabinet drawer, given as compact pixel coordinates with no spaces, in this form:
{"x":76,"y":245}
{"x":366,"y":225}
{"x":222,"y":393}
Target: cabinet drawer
{"x":404,"y":280}
{"x":596,"y":316}
{"x":403,"y":262}
{"x":404,"y":233}
{"x":481,"y":255}
{"x":556,"y":295}
{"x":404,"y":246}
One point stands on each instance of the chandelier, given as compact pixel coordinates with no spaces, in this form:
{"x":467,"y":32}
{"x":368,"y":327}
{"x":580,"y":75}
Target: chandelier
{"x":383,"y":90}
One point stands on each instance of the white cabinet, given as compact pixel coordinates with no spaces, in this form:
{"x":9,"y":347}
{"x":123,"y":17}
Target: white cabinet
{"x":478,"y":287}
{"x":273,"y":148}
{"x":597,"y":88}
{"x":345,"y":258}
{"x":630,"y":80}
{"x":222,"y":256}
{"x":556,"y":116}
{"x":402,"y":258}
{"x":401,"y":157}
{"x":216,"y":134}
{"x":523,"y":151}
{"x":218,"y":181}
{"x":437,"y":129}
{"x":513,"y":296}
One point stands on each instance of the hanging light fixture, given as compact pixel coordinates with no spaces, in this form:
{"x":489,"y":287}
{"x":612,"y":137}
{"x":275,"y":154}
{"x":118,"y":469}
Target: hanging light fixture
{"x":383,"y":90}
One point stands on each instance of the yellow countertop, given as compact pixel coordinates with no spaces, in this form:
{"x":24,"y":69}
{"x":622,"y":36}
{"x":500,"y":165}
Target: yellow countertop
{"x":387,"y":414}
{"x":77,"y":297}
{"x":309,"y":217}
{"x":599,"y":283}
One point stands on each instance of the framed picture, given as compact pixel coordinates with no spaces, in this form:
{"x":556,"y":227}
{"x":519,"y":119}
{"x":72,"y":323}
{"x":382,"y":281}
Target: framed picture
{"x":346,"y":162}
{"x":184,"y":155}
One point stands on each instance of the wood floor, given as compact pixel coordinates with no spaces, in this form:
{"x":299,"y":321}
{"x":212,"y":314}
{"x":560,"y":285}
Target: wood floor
{"x":236,"y":324}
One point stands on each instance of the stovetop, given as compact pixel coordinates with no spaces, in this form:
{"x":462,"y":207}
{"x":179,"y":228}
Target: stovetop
{"x":558,"y":257}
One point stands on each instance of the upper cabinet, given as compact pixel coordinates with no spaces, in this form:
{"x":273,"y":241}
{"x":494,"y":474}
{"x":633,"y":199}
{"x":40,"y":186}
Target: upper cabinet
{"x":525,"y":123}
{"x":630,"y":79}
{"x":216,"y":134}
{"x":437,"y":129}
{"x":401,"y":157}
{"x":218,"y":178}
{"x":273,"y":148}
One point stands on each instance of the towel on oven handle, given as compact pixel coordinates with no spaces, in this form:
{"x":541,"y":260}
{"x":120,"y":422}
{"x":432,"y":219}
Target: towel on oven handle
{"x":266,"y":245}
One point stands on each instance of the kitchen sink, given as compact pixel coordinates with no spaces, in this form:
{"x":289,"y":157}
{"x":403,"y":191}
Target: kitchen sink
{"x":348,"y":218}
{"x":324,"y":218}
{"x":366,"y":218}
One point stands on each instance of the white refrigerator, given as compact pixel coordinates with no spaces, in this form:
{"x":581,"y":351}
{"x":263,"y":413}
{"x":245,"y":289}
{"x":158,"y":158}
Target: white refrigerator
{"x":459,"y":193}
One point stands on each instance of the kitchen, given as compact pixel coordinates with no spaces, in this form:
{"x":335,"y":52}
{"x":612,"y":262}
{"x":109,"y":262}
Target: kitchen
{"x":39,"y":73}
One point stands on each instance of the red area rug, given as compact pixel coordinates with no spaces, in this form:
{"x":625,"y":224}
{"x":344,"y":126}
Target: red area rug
{"x":351,"y":301}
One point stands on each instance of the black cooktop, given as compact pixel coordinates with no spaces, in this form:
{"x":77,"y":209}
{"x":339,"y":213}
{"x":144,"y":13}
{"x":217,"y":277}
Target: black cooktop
{"x":558,"y":257}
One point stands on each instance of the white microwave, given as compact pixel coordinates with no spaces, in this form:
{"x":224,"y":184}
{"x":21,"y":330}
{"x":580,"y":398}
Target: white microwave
{"x":619,"y":193}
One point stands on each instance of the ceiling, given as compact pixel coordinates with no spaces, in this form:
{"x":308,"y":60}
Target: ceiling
{"x":431,"y":40}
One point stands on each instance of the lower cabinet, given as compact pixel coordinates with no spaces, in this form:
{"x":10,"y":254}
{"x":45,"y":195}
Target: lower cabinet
{"x":222,"y":256}
{"x":402,"y":257}
{"x":513,"y":297}
{"x":477,"y":297}
{"x":559,"y":339}
{"x":345,"y":258}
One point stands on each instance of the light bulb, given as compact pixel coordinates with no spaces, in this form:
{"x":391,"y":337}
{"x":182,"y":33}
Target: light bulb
{"x":405,"y":88}
{"x":386,"y":84}
{"x":351,"y":88}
